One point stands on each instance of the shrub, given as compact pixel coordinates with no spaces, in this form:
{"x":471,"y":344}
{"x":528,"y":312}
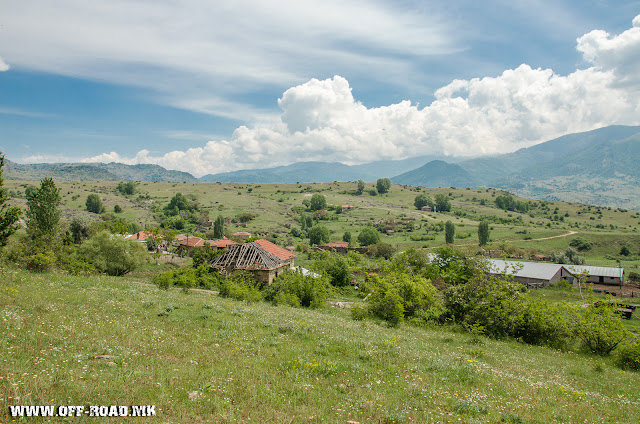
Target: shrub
{"x":41,"y":261}
{"x":94,"y":204}
{"x":581,"y":244}
{"x":113,"y":255}
{"x":188,"y":277}
{"x":241,"y":285}
{"x":333,"y":266}
{"x":318,"y":234}
{"x":382,"y":250}
{"x":628,"y":354}
{"x":598,"y":327}
{"x":368,"y":235}
{"x":294,"y":289}
{"x":318,"y":202}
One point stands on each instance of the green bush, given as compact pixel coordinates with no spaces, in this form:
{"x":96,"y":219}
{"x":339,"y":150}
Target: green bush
{"x":294,"y":289}
{"x":241,"y":285}
{"x":188,"y":277}
{"x":382,"y":250}
{"x":41,"y":261}
{"x":368,"y":236}
{"x":628,"y":354}
{"x":599,"y":327}
{"x":334,"y":266}
{"x":113,"y":255}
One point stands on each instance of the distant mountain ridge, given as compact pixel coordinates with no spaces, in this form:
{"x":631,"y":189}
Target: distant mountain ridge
{"x":598,"y":167}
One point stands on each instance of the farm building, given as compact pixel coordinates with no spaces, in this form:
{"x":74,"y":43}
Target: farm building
{"x":261,"y":257}
{"x":531,"y":274}
{"x":335,"y":246}
{"x":426,"y":208}
{"x":243,"y":235}
{"x":189,"y":242}
{"x":599,"y":274}
{"x":222,"y":243}
{"x":139,"y":236}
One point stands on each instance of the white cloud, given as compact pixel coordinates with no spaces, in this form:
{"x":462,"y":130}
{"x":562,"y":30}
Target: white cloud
{"x":3,"y":65}
{"x":202,"y":55}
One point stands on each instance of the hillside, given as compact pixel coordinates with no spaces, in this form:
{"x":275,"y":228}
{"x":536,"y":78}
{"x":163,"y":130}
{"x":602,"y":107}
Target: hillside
{"x":436,"y":173}
{"x":200,"y":358}
{"x":93,"y":172}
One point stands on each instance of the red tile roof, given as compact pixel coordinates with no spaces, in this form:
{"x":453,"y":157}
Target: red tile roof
{"x":222,"y":243}
{"x":280,"y":252}
{"x":140,"y":236}
{"x":192,"y":242}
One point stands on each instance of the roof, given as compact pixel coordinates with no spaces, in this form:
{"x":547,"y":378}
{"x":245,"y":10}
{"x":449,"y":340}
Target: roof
{"x":536,"y":270}
{"x":274,"y":249}
{"x":598,"y":271}
{"x":242,"y":233}
{"x":140,"y":236}
{"x":192,"y":242}
{"x":250,"y":256}
{"x":222,"y":243}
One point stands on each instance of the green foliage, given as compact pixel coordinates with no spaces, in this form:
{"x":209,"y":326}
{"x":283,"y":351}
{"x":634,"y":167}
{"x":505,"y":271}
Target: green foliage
{"x":43,"y":215}
{"x":42,"y":261}
{"x":628,"y":354}
{"x":80,"y":227}
{"x":294,"y":289}
{"x":346,"y":237}
{"x":373,"y":192}
{"x":126,"y":188}
{"x":218,"y":227}
{"x":396,"y":296}
{"x":382,"y":250}
{"x":581,"y":244}
{"x":241,"y":285}
{"x":117,"y":209}
{"x":179,"y":203}
{"x":152,"y":244}
{"x":624,"y":251}
{"x":569,"y":256}
{"x":334,"y":266}
{"x":443,"y":204}
{"x":368,"y":236}
{"x":508,"y":203}
{"x":383,"y":185}
{"x":599,"y":327}
{"x":483,"y":233}
{"x":245,"y":217}
{"x":449,"y":232}
{"x":318,"y":202}
{"x":318,"y":235}
{"x":422,"y":200}
{"x":9,"y":215}
{"x":360,"y":188}
{"x":204,"y":255}
{"x":113,"y":255}
{"x":94,"y":204}
{"x":188,"y":277}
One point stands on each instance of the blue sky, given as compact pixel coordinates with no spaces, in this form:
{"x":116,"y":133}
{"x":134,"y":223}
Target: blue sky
{"x":206,"y":87}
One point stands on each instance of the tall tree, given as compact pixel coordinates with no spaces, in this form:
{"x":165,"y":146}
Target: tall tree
{"x":318,"y":202}
{"x":9,"y":215}
{"x":43,"y":214}
{"x":483,"y":233}
{"x":218,"y":227}
{"x":94,"y":204}
{"x":449,"y":232}
{"x":368,"y":236}
{"x":383,"y":185}
{"x":443,"y":204}
{"x":360,"y":187}
{"x":318,"y":234}
{"x":422,"y":200}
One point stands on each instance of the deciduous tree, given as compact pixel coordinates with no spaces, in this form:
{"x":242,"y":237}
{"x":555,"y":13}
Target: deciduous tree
{"x":449,"y":232}
{"x":9,"y":215}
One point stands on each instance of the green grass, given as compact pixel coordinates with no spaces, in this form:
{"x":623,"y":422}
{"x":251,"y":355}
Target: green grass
{"x":200,"y":358}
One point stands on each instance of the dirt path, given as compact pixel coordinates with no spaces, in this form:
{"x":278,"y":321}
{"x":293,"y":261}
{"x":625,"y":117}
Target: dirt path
{"x":570,"y":233}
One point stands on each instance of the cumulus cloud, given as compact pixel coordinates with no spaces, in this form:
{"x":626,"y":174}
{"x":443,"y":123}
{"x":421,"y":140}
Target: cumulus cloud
{"x":321,"y":120}
{"x":3,"y":65}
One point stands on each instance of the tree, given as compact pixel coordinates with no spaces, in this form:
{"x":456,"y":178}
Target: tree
{"x":9,"y":215}
{"x":449,"y":232}
{"x":318,"y":202}
{"x":43,"y":214}
{"x":346,"y":237}
{"x":94,"y":204}
{"x":218,"y":227}
{"x":80,"y":227}
{"x":360,"y":187}
{"x":483,"y":233}
{"x":126,"y":188}
{"x":383,"y":185}
{"x":624,"y":251}
{"x":318,"y":234}
{"x":443,"y":204}
{"x":113,"y":255}
{"x":117,"y":209}
{"x":422,"y":200}
{"x":368,"y":236}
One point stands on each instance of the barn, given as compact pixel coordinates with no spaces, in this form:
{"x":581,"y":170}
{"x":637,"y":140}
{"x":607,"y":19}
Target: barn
{"x":531,"y":274}
{"x":599,"y":274}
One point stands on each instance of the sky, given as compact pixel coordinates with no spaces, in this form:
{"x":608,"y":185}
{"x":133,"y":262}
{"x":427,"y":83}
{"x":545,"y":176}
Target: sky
{"x":213,"y":86}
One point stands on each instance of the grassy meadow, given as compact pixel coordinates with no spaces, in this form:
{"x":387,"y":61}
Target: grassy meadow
{"x":199,"y":358}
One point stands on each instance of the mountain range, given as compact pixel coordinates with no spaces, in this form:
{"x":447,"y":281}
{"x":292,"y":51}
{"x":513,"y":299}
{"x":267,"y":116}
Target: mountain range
{"x":597,"y":167}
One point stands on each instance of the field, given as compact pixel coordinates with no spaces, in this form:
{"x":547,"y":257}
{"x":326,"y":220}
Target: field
{"x":200,"y":358}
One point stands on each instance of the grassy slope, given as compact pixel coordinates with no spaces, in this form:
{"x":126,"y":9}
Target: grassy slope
{"x":257,"y":363}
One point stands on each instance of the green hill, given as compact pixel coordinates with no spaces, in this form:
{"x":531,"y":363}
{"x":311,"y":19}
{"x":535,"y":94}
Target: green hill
{"x":436,"y":173}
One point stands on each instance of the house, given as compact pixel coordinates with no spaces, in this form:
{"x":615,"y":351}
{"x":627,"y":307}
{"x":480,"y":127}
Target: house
{"x":220,"y":244}
{"x":189,"y":242}
{"x":335,"y":246}
{"x":262,"y":258}
{"x":242,"y":235}
{"x":347,"y":207}
{"x":531,"y":274}
{"x":599,"y":274}
{"x":426,"y":208}
{"x":140,"y":236}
